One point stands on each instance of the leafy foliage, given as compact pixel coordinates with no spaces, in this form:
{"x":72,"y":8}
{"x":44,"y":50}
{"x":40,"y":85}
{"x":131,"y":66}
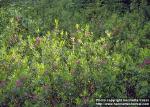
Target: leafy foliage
{"x":46,"y":58}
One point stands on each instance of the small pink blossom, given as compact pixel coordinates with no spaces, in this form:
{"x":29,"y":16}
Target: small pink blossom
{"x":146,"y":61}
{"x":2,"y":83}
{"x":33,"y":96}
{"x":19,"y":83}
{"x":18,"y":18}
{"x":102,"y":62}
{"x":78,"y":62}
{"x":141,"y":65}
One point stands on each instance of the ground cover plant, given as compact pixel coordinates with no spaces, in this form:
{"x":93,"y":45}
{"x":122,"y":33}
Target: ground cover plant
{"x":73,"y":52}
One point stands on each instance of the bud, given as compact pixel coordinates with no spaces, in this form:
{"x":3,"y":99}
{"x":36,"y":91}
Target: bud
{"x":77,"y":26}
{"x":87,"y":33}
{"x":80,"y":41}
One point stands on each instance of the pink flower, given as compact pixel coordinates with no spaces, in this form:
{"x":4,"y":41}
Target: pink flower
{"x":141,"y":65}
{"x":18,"y":18}
{"x":19,"y":83}
{"x":146,"y":61}
{"x":2,"y":83}
{"x":104,"y":61}
{"x":78,"y":62}
{"x":33,"y":96}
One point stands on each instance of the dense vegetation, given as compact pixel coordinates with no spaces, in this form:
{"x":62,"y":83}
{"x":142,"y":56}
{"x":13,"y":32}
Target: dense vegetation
{"x":70,"y":52}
